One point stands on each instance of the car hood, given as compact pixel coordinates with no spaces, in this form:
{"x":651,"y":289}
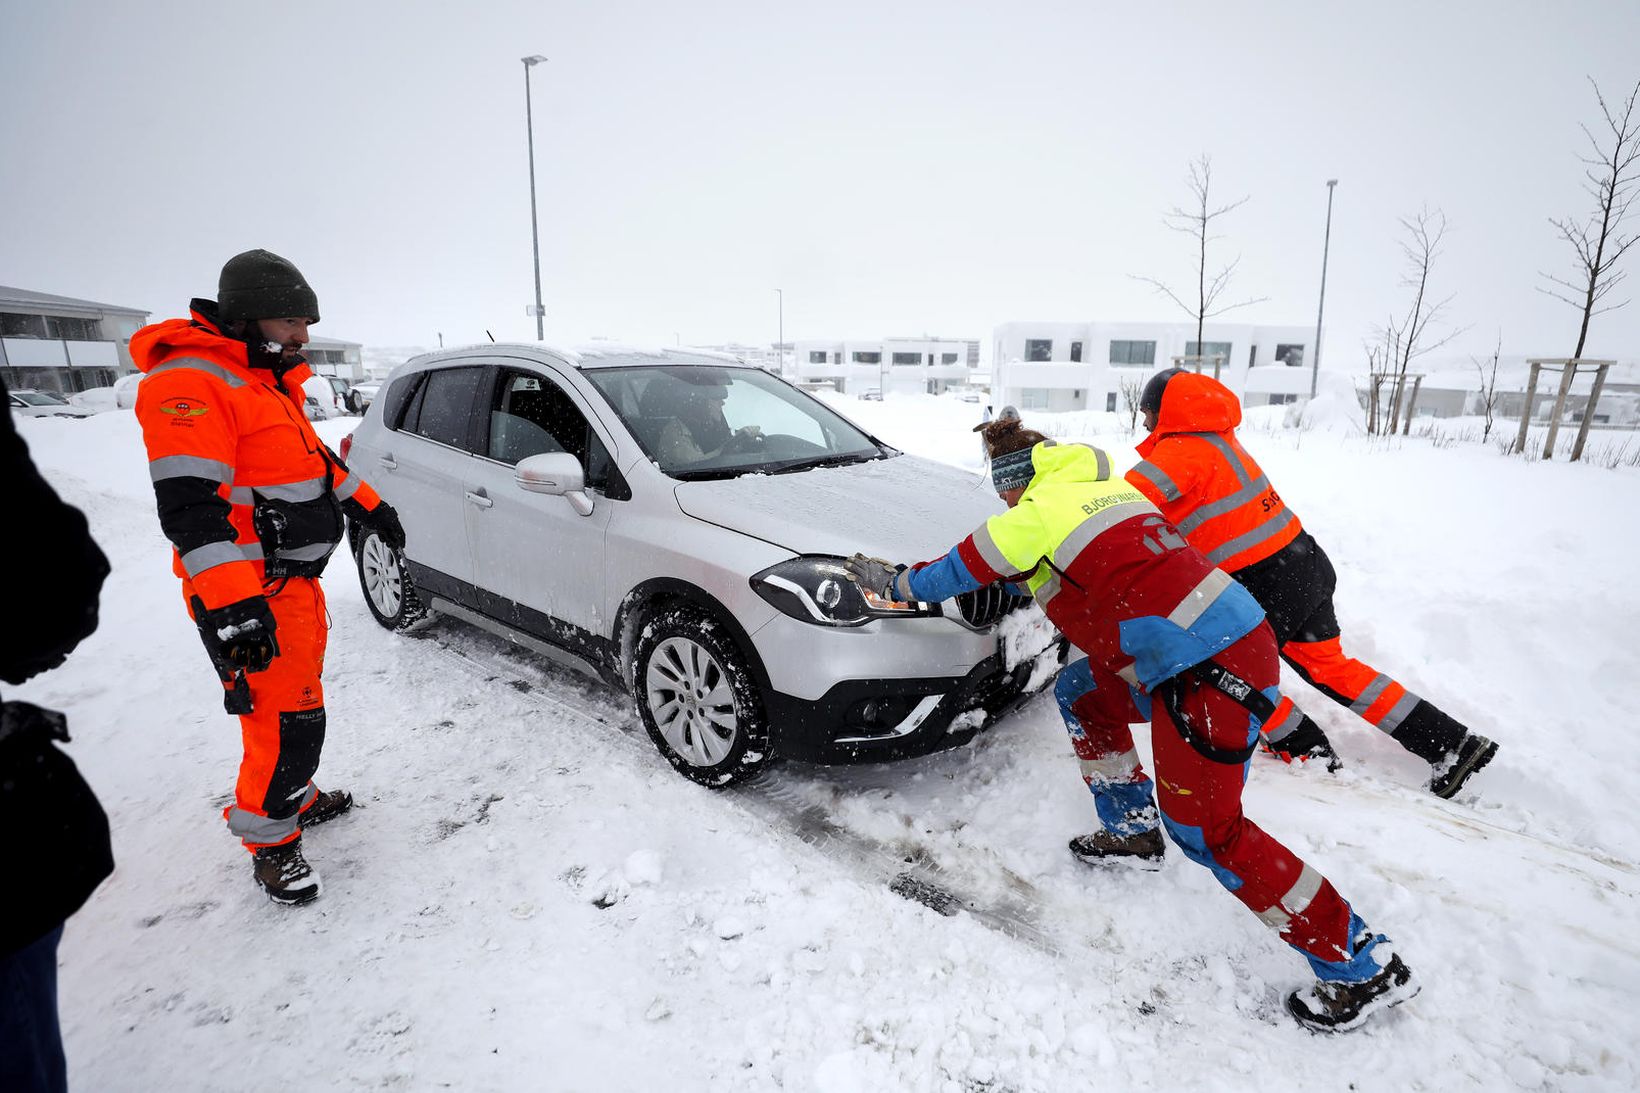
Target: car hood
{"x":904,"y":509}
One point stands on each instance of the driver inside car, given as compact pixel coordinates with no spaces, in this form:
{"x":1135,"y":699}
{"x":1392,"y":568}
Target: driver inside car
{"x":699,"y":430}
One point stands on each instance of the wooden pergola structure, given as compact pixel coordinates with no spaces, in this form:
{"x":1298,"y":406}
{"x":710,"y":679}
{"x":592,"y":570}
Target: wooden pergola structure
{"x":1568,"y":368}
{"x":1195,"y":363}
{"x":1378,"y":379}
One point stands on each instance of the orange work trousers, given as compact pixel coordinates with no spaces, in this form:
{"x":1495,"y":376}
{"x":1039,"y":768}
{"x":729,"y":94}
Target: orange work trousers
{"x":285,"y":730}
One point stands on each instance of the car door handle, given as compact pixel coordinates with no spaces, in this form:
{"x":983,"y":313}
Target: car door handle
{"x":479,"y":499}
{"x":388,"y":461}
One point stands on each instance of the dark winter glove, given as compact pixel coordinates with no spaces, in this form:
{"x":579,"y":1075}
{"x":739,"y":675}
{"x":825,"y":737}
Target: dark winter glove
{"x":384,"y":521}
{"x":241,"y":635}
{"x":1304,"y":743}
{"x":882,"y":579}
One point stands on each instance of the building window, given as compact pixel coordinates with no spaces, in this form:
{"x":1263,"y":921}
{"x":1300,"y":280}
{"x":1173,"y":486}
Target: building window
{"x":863,"y":357}
{"x":1076,"y":351}
{"x":1282,"y":400}
{"x":1110,"y":402}
{"x":23,"y":326}
{"x":1290,"y":355}
{"x":907,"y":358}
{"x":1140,"y":353}
{"x":948,"y":358}
{"x":817,"y":356}
{"x":1220,"y":350}
{"x":74,"y":330}
{"x":1039,"y":349}
{"x":1033,"y":398}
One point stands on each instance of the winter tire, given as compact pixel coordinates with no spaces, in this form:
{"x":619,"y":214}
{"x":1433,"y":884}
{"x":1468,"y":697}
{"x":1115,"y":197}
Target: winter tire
{"x":388,"y":590}
{"x":697,"y":699}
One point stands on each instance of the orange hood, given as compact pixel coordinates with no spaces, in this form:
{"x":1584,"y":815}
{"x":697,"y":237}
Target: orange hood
{"x":159,"y":341}
{"x":1194,"y":403}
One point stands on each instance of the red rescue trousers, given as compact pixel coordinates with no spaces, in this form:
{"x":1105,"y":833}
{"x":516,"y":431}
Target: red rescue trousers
{"x":285,"y":730}
{"x":1199,"y":799}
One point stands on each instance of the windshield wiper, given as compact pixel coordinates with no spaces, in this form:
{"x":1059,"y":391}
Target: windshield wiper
{"x":810,"y":462}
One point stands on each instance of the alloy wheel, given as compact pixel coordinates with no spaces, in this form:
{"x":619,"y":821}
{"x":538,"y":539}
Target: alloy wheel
{"x":691,"y":700}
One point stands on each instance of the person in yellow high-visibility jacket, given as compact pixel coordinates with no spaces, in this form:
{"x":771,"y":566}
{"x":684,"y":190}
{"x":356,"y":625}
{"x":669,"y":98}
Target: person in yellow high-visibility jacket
{"x":1169,"y":638}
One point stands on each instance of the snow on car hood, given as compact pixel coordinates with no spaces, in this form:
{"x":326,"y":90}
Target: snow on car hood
{"x":905,"y":509}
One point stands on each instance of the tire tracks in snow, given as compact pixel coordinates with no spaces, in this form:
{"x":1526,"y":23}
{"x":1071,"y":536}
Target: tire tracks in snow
{"x":775,"y":798}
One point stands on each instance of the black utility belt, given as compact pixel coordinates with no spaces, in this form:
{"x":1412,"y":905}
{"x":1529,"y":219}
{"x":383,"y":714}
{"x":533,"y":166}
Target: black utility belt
{"x":1223,"y":680}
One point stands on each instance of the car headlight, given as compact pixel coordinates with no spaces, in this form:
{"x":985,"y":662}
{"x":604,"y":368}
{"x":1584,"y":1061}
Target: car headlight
{"x":816,"y":589}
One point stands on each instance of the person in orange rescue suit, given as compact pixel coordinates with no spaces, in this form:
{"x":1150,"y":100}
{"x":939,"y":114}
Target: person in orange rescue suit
{"x":1168,"y":638}
{"x":1206,"y":484}
{"x":253,"y":502}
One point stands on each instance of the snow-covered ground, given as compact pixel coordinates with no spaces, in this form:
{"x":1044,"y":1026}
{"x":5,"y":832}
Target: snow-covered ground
{"x":528,"y":898}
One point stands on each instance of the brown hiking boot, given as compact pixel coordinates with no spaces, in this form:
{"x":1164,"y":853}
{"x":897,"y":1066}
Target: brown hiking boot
{"x":325,"y":807}
{"x":1141,"y":851}
{"x":284,"y":874}
{"x":1330,"y":1006}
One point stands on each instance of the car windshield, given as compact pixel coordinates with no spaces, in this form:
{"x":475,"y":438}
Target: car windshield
{"x":37,"y":398}
{"x":701,"y":421}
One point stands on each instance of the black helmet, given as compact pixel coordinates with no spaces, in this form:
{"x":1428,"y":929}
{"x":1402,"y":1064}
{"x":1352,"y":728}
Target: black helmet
{"x":259,"y":284}
{"x":1150,"y":402}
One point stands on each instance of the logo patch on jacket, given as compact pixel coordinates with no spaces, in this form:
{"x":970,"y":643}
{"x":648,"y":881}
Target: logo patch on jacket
{"x":183,"y":408}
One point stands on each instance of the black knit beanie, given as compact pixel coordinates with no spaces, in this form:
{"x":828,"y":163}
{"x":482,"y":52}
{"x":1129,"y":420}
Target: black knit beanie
{"x":259,"y":284}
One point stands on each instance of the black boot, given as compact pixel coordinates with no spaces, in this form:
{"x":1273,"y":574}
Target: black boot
{"x":1449,"y":776}
{"x":1330,"y":1006}
{"x":284,"y":874}
{"x":1142,"y":851}
{"x":325,"y":807}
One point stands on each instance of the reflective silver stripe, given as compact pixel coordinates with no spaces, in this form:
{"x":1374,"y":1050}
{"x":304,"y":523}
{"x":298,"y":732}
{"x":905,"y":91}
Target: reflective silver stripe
{"x":1370,"y":695}
{"x":309,"y":795}
{"x":211,"y":555}
{"x":189,"y":466}
{"x":350,"y":486}
{"x":311,"y":553}
{"x":1250,"y":492}
{"x":1128,"y":675}
{"x":1111,"y":768}
{"x":1281,"y":730}
{"x":1298,"y":898}
{"x":990,"y":553}
{"x":1157,"y":477}
{"x":1091,"y":528}
{"x":1229,"y":454}
{"x":1250,"y":539}
{"x":260,"y":829}
{"x":199,"y":364}
{"x":1050,"y":588}
{"x":310,"y":489}
{"x":1104,"y":463}
{"x":1398,"y":712}
{"x":1199,"y":599}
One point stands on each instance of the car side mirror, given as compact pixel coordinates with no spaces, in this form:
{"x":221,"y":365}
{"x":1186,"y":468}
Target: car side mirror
{"x":555,"y":473}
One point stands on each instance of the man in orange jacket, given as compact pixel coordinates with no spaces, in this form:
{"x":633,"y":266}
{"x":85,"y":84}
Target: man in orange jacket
{"x":1202,"y":479}
{"x":253,"y":502}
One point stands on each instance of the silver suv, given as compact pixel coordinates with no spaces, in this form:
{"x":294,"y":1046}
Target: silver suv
{"x":674,"y":523}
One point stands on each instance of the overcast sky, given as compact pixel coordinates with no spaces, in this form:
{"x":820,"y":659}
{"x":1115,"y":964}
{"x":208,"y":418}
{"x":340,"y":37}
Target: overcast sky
{"x":899,"y":168}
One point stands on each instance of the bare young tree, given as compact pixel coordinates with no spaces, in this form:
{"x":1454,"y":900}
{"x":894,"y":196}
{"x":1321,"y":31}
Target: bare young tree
{"x":1612,"y":179}
{"x":1412,"y":335}
{"x":1196,"y":221}
{"x":1488,"y":401}
{"x":1133,"y":389}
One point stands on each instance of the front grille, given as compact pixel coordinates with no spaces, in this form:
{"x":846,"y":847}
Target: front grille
{"x":986,"y":606}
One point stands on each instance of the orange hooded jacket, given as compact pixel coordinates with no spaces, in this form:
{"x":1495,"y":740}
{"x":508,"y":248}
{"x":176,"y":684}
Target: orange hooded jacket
{"x":247,"y":492}
{"x":1205,"y":483}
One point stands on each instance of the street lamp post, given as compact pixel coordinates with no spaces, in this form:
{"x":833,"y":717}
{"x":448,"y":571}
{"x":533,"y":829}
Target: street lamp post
{"x":535,"y":229}
{"x":1326,"y":242}
{"x":780,"y":346}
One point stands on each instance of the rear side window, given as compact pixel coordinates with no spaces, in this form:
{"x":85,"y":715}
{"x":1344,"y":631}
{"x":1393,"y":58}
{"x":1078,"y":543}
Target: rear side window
{"x":443,"y":407}
{"x":396,"y":399}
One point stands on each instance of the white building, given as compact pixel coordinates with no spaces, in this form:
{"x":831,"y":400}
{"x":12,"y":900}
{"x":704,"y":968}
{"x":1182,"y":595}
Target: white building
{"x":886,"y":365}
{"x":1085,"y":366}
{"x":63,"y":345}
{"x":334,"y":357}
